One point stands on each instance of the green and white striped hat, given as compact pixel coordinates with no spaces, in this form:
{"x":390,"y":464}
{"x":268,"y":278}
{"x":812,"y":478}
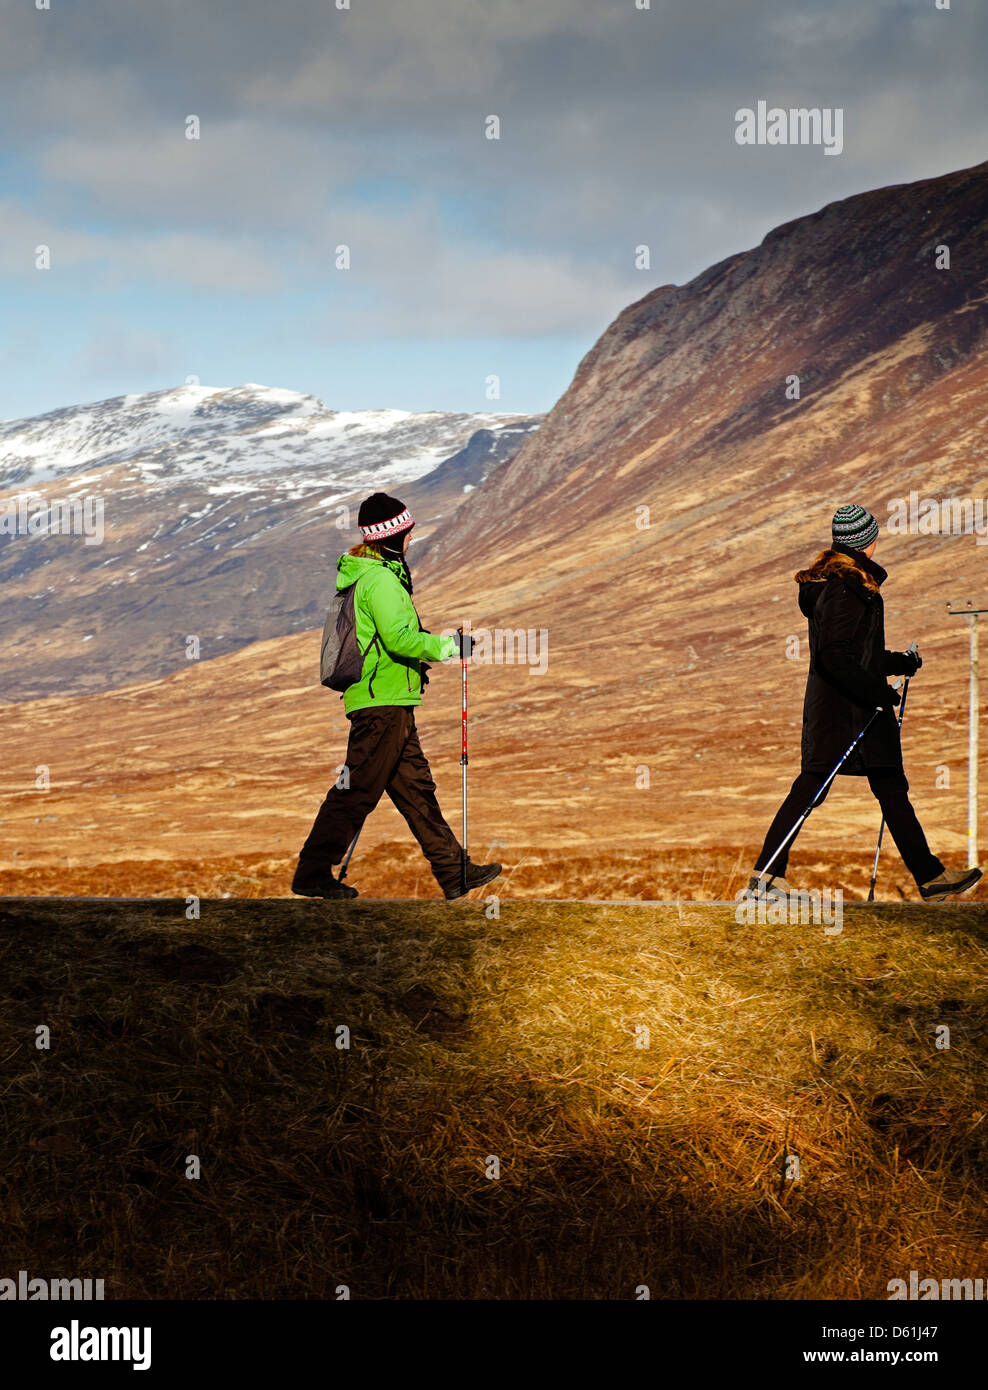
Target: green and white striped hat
{"x":854,"y":527}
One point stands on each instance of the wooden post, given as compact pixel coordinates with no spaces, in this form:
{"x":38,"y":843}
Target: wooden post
{"x":971,"y":614}
{"x":972,"y":752}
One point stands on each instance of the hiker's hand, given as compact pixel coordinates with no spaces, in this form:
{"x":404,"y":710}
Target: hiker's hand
{"x":449,"y":648}
{"x":904,"y":663}
{"x":890,"y":698}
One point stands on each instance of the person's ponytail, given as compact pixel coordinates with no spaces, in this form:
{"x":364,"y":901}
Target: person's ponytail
{"x":364,"y":550}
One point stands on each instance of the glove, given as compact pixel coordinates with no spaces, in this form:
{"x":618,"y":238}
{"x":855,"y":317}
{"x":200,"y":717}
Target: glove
{"x":890,"y":698}
{"x":904,"y":663}
{"x":449,"y":648}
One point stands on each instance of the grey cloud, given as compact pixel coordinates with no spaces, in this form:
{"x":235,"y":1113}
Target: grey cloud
{"x":191,"y":259}
{"x":247,"y":172}
{"x":617,"y":130}
{"x":408,"y":280}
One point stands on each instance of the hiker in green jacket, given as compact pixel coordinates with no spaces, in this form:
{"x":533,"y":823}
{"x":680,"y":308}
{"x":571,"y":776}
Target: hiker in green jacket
{"x":383,"y":750}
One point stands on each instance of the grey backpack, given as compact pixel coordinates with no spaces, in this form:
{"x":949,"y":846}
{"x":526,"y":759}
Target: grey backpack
{"x":341,"y":661}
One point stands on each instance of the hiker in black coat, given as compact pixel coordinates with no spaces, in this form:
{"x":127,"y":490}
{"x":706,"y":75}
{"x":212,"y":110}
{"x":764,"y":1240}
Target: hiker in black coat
{"x":840,"y":595}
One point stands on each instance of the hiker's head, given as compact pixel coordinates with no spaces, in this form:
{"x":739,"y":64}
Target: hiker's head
{"x":855,"y":528}
{"x":385,"y":523}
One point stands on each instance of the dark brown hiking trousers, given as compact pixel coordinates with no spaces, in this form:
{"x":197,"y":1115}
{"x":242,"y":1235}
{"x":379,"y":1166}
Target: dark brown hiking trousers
{"x":383,"y":755}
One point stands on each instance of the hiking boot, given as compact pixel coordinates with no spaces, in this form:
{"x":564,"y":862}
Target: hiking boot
{"x":321,"y":885}
{"x":477,"y":876}
{"x":761,"y":887}
{"x":950,"y":881}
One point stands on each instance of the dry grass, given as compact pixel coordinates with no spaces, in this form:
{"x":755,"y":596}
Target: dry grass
{"x":473,"y":1037}
{"x":396,"y":868}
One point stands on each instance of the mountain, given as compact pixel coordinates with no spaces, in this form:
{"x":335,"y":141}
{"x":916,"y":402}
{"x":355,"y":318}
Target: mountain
{"x":683,"y":398}
{"x":667,"y":718}
{"x":220,"y":507}
{"x":484,"y":452}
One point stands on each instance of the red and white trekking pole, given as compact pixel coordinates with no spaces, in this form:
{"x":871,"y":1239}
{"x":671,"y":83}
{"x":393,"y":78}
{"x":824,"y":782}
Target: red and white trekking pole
{"x":466,"y":651}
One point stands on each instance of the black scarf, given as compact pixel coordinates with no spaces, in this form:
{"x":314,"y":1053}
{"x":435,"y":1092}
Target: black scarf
{"x":405,"y":574}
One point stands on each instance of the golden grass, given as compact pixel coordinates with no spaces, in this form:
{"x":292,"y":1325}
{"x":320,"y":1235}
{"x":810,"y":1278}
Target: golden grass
{"x":472,"y":1038}
{"x":396,"y":869}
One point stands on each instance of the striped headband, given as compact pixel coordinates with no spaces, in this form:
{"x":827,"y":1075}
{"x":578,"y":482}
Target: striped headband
{"x":382,"y":530}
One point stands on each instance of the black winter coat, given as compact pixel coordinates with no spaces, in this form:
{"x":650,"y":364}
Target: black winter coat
{"x":840,"y":595}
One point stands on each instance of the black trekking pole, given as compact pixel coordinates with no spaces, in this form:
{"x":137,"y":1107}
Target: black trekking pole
{"x":821,"y":790}
{"x":466,"y":651}
{"x":881,"y":829}
{"x":346,"y":860}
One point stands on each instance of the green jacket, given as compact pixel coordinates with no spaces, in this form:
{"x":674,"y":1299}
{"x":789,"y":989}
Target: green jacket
{"x":388,"y":630}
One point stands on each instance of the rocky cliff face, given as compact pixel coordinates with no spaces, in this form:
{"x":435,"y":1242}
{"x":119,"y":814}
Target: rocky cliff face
{"x":682,"y":402}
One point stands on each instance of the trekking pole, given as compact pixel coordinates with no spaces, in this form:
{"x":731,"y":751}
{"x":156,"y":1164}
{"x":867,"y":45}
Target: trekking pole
{"x":881,"y":829}
{"x":466,"y":651}
{"x":353,"y":845}
{"x":821,"y":790}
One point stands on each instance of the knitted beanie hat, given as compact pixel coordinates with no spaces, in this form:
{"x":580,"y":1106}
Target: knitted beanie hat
{"x":854,"y":527}
{"x":382,"y":519}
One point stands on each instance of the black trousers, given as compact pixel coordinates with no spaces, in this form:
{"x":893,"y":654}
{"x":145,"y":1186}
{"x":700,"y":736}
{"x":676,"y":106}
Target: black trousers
{"x":892,"y":790}
{"x":383,"y":755}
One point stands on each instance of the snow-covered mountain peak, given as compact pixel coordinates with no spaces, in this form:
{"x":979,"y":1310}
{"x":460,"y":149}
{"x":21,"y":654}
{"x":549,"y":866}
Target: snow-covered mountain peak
{"x":207,"y":433}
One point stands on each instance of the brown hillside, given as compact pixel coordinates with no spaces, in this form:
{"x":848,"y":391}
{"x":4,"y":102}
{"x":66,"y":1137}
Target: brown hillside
{"x":667,"y":645}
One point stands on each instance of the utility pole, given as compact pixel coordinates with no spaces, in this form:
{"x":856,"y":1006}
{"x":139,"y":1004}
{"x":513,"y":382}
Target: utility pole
{"x":972,"y":614}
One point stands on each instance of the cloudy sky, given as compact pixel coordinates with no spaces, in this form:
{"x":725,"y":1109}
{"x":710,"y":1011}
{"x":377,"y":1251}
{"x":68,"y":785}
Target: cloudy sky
{"x":365,"y":127}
